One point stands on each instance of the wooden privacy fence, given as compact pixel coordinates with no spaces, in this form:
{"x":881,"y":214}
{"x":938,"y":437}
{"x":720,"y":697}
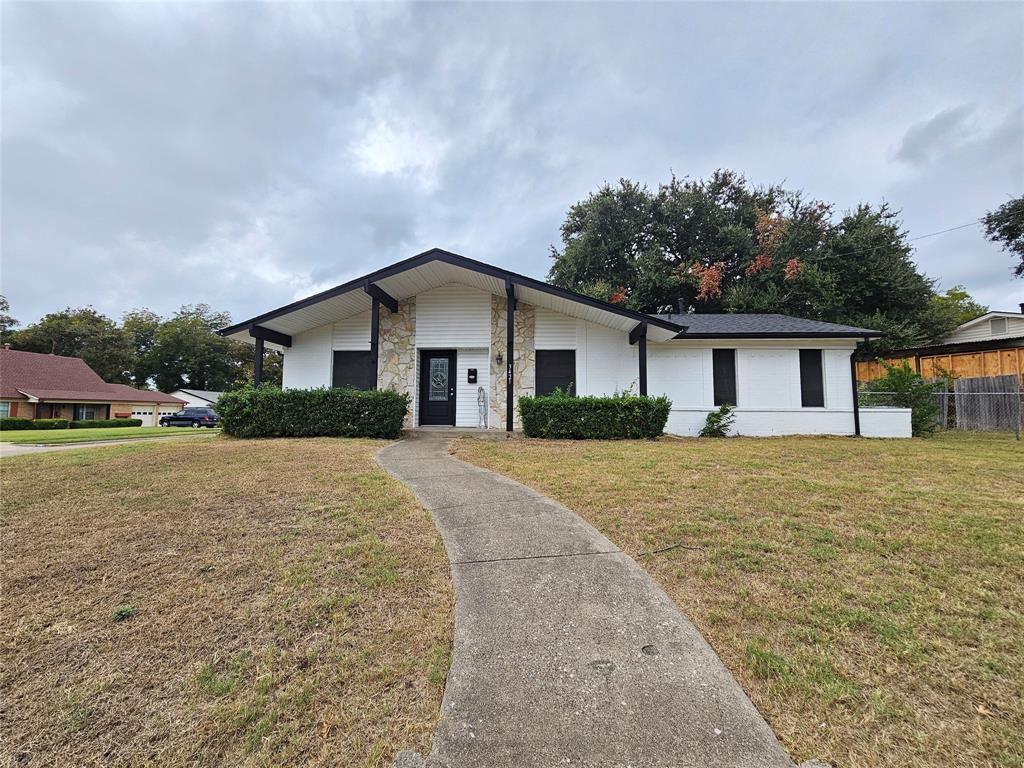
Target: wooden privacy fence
{"x":988,"y":403}
{"x":966,"y":365}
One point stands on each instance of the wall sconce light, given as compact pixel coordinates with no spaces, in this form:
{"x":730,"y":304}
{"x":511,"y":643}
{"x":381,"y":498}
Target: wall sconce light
{"x":500,"y":360}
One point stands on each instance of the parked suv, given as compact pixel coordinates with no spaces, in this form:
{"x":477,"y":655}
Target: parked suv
{"x":190,"y":417}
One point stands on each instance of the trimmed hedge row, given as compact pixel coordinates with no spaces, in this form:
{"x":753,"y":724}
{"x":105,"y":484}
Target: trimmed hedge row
{"x":11,"y":423}
{"x":564,"y":417}
{"x":49,"y":424}
{"x":92,"y":423}
{"x":270,"y":412}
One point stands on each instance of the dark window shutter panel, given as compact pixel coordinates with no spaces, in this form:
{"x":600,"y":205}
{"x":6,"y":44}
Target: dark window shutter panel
{"x":724,"y":374}
{"x":812,"y":380}
{"x":556,"y":369}
{"x":352,"y":369}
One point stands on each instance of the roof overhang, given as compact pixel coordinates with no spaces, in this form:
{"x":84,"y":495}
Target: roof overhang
{"x":423,"y":272}
{"x":860,"y":335}
{"x":989,"y":316}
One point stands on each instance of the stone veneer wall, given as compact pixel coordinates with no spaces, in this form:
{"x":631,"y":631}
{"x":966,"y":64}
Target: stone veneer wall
{"x":396,"y":354}
{"x":524,"y":372}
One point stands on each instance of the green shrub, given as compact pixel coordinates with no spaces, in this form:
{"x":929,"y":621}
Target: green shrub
{"x":718,"y":423}
{"x":902,"y":387}
{"x":93,"y":423}
{"x":50,"y":424}
{"x":13,"y":422}
{"x":123,"y":613}
{"x":560,"y":416}
{"x":271,"y":412}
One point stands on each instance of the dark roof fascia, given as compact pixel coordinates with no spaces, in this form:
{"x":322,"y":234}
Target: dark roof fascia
{"x":990,"y":345}
{"x":447,"y":257}
{"x":788,"y":335}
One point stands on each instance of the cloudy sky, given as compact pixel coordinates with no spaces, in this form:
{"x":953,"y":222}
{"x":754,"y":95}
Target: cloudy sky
{"x":247,"y":154}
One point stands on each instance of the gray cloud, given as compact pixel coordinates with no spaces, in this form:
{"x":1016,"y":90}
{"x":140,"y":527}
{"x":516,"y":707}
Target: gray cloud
{"x":247,"y":154}
{"x":935,"y":136}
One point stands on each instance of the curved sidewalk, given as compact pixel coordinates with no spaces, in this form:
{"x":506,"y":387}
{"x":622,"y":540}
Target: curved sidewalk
{"x":566,"y":652}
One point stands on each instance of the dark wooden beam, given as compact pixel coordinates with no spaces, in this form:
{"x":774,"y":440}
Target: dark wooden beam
{"x":260,"y":333}
{"x":257,"y":363}
{"x":639,"y":336}
{"x":856,"y":394}
{"x":638,"y":332}
{"x":510,"y":332}
{"x":374,"y":338}
{"x":378,"y":293}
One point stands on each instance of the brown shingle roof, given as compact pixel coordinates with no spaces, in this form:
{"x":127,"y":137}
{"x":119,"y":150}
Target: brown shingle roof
{"x":53,"y":377}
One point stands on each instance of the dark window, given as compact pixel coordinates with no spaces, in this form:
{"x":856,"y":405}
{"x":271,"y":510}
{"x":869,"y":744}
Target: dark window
{"x":85,"y":411}
{"x":812,"y":382}
{"x":724,"y":369}
{"x":352,"y":369}
{"x":556,"y":369}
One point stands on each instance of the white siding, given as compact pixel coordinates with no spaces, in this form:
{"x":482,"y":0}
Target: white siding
{"x":767,"y":383}
{"x":466,"y":412}
{"x":352,"y":334}
{"x":307,"y":362}
{"x":554,"y":330}
{"x":767,"y":378}
{"x":982,"y":331}
{"x":685,"y":375}
{"x":885,"y":422}
{"x":838,"y":386}
{"x":605,"y":361}
{"x":454,"y":316}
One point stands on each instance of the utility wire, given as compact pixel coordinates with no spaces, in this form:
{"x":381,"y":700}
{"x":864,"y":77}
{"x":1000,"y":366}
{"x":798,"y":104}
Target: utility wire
{"x":944,"y":231}
{"x":919,"y":237}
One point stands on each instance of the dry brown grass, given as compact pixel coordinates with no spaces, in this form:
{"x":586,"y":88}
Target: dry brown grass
{"x":292,"y":605}
{"x":868,"y":595}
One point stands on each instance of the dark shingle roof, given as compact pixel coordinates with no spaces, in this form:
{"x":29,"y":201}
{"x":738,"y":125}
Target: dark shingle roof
{"x":764,"y":326}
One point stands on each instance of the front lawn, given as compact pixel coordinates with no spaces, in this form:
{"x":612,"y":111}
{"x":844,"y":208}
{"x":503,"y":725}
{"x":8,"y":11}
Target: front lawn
{"x":61,"y":436}
{"x":218,"y":602}
{"x":868,"y":594}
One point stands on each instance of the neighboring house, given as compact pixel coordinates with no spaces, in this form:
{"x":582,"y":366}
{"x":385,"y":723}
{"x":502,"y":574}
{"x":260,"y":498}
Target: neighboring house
{"x":197,"y":398}
{"x":37,"y":386}
{"x":435,"y":326}
{"x":990,"y":345}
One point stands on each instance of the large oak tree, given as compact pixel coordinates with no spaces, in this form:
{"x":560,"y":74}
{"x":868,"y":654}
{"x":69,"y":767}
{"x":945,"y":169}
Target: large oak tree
{"x":723,"y":244}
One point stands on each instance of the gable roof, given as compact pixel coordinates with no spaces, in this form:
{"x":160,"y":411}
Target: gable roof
{"x":432,"y":269}
{"x":54,"y":377}
{"x":763,"y":326}
{"x":988,"y":316}
{"x":437,"y":267}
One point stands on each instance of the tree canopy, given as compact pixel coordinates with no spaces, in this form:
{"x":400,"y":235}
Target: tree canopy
{"x":183,"y":350}
{"x":722,"y":244}
{"x":1006,"y":225}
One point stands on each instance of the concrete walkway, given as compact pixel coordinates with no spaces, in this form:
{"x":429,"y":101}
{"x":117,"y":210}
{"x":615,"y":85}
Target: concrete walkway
{"x":566,"y":652}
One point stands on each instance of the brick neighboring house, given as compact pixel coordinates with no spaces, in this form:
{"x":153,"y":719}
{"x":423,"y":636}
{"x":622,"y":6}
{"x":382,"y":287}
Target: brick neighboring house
{"x":38,"y":386}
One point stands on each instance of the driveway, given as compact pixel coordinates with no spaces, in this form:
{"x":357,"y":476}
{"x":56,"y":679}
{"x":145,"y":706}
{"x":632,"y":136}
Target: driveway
{"x":566,"y":652}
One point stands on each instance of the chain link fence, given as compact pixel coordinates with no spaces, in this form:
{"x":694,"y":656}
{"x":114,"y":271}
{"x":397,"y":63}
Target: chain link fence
{"x":988,"y":404}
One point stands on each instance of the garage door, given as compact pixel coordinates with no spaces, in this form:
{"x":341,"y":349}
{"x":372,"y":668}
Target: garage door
{"x":145,"y":413}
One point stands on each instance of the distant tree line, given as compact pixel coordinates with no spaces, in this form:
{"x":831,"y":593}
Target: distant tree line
{"x":145,"y":350}
{"x":722,"y":244}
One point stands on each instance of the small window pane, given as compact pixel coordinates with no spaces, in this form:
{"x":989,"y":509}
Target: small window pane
{"x":5,"y":410}
{"x":438,"y":379}
{"x":998,"y":325}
